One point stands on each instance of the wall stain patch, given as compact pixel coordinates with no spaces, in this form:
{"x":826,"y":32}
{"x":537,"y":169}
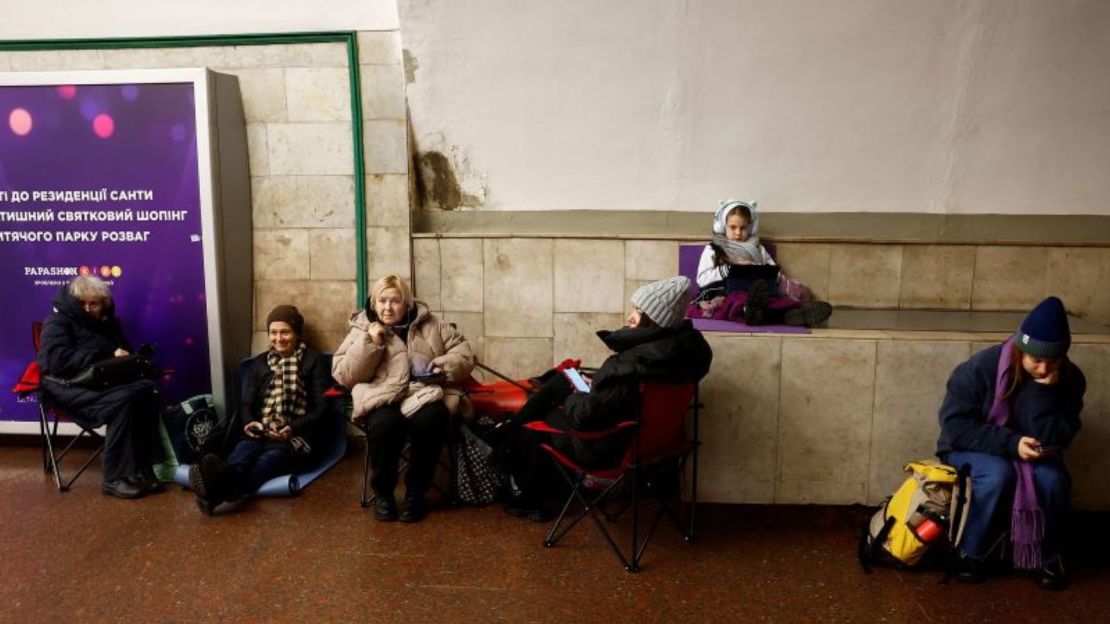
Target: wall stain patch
{"x":436,"y":183}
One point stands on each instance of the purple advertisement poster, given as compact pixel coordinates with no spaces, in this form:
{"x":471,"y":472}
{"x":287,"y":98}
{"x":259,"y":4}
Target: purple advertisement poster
{"x":102,"y":179}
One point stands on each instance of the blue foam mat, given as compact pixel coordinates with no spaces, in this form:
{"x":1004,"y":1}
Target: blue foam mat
{"x":290,"y":484}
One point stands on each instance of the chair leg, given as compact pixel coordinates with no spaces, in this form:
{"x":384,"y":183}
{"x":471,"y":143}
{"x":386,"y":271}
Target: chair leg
{"x":366,"y":499}
{"x":590,"y":508}
{"x":52,"y":457}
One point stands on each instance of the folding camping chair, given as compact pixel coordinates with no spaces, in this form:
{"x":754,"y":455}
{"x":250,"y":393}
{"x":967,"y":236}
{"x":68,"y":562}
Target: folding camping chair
{"x":49,"y":418}
{"x":652,"y":466}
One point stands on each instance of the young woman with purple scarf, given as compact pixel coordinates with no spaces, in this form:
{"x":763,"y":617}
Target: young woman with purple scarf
{"x":1009,"y":413}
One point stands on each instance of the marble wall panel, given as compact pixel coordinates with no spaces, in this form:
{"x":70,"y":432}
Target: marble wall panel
{"x":650,"y":260}
{"x":1079,"y":276}
{"x":263,"y":94}
{"x":825,"y":420}
{"x":740,"y":420}
{"x":461,"y":277}
{"x":388,"y":252}
{"x":303,"y":201}
{"x":589,"y":275}
{"x":937,"y":277}
{"x":1008,"y":278}
{"x":318,"y":94}
{"x":281,"y":254}
{"x":386,"y":146}
{"x":519,"y":358}
{"x":518,"y":285}
{"x":331,"y":254}
{"x":576,"y":336}
{"x":1087,"y":459}
{"x":865,"y":276}
{"x":310,"y":149}
{"x":910,"y":381}
{"x":383,"y":92}
{"x":426,"y":277}
{"x":807,"y":263}
{"x":387,"y":200}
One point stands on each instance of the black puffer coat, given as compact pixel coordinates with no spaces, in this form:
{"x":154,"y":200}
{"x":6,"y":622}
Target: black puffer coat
{"x":315,"y":373}
{"x":71,"y":341}
{"x":673,"y":355}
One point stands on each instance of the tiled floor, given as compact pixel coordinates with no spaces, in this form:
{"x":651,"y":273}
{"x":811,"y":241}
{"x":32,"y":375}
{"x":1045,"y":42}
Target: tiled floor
{"x":83,"y":557}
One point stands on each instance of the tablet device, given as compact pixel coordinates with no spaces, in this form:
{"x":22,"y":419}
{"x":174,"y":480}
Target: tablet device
{"x":576,"y":379}
{"x":741,"y":276}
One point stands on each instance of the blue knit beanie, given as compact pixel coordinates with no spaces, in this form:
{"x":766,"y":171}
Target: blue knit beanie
{"x":1045,"y":333}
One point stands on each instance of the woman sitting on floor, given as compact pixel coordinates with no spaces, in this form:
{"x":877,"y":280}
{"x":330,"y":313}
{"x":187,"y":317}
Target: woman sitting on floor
{"x":283,"y":412}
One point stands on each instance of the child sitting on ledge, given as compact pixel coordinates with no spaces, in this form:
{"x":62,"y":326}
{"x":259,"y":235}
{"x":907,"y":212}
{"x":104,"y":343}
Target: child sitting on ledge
{"x":737,"y":273}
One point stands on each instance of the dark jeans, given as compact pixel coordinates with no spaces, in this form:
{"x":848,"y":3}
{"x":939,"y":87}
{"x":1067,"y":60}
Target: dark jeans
{"x":387,"y":432}
{"x":992,"y":489}
{"x":254,"y":462}
{"x":131,"y":439}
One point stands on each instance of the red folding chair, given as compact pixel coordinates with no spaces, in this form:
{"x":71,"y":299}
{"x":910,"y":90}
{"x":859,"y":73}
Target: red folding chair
{"x":49,"y":418}
{"x":651,"y":467}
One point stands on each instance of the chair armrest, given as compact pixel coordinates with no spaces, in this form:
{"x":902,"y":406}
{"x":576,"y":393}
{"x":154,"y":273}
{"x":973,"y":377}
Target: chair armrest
{"x":542,"y":427}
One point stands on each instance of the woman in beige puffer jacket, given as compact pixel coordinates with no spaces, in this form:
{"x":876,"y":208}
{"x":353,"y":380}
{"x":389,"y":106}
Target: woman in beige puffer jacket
{"x":400,"y":360}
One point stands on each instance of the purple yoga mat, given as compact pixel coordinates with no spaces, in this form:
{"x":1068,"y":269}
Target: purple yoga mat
{"x":688,"y":256}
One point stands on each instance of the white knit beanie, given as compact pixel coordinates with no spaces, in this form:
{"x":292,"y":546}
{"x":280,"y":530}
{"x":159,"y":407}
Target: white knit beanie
{"x":664,"y":301}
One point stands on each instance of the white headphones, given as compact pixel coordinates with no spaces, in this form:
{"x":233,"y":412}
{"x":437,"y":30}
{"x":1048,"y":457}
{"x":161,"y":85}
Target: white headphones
{"x":724,"y":207}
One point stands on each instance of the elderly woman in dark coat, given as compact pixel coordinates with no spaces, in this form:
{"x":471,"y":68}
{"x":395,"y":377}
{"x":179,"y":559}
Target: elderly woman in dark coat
{"x":83,"y":330}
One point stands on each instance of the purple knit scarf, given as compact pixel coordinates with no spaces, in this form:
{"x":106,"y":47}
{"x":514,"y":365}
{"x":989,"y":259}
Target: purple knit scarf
{"x":1027,"y":521}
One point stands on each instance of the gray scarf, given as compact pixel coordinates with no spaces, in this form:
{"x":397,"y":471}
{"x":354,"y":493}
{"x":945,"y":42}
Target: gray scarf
{"x":746,"y":252}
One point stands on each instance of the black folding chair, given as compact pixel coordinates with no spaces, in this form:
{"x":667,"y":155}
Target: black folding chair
{"x":49,"y":418}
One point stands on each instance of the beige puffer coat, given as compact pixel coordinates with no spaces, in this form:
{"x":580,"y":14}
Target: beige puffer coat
{"x":380,"y":375}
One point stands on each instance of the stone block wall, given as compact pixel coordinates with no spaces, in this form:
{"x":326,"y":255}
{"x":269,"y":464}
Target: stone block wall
{"x":827,"y":418}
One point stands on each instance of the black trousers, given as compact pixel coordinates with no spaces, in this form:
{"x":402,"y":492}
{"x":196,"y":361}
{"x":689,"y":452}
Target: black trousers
{"x":387,"y":432}
{"x":530,"y":466}
{"x":131,"y":441}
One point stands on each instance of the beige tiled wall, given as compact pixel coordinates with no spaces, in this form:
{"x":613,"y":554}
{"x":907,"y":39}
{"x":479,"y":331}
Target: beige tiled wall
{"x":826,"y":418}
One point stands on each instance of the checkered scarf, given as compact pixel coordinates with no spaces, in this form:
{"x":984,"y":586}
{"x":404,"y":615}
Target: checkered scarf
{"x":285,"y":398}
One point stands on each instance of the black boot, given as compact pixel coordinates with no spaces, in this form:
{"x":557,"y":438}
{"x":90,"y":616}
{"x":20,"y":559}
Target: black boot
{"x":385,"y":508}
{"x":121,"y":488}
{"x":756,"y":306}
{"x":808,"y":314}
{"x":970,"y":569}
{"x":414,"y":508}
{"x":1052,"y":576}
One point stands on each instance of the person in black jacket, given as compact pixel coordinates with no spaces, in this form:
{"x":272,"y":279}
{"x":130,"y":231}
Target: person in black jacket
{"x":283,"y":411}
{"x":84,"y":330}
{"x":1009,"y":413}
{"x":657,"y":345}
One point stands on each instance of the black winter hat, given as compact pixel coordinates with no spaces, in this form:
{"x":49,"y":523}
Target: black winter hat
{"x":286,"y":314}
{"x":1045,"y":332}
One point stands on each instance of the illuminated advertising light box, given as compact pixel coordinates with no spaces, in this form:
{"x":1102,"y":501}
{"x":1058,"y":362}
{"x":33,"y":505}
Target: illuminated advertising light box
{"x":140,"y":178}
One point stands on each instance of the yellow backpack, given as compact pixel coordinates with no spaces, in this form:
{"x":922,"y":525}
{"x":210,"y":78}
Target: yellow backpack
{"x":929,"y":508}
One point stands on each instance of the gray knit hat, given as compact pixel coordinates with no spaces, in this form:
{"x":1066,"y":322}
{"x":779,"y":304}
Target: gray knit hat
{"x":664,"y":301}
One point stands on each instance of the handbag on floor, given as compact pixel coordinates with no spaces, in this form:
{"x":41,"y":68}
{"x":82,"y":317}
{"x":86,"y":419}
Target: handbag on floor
{"x":479,"y":479}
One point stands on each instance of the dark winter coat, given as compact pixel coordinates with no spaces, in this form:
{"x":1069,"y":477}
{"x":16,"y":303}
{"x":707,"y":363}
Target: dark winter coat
{"x":673,"y":355}
{"x":71,"y":341}
{"x":315,"y":373}
{"x":1049,"y":413}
